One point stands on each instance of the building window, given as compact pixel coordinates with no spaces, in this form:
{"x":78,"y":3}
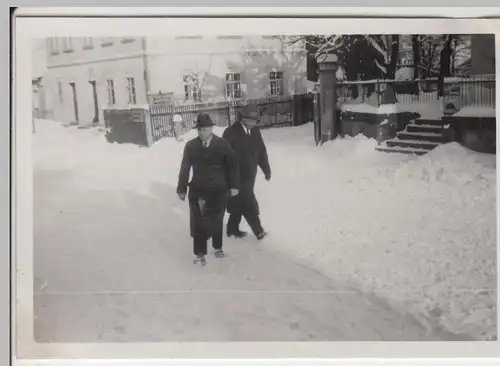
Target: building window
{"x":128,"y":39}
{"x":67,"y":44}
{"x":111,"y":91}
{"x":54,"y":45}
{"x":132,"y":99}
{"x":276,"y":82}
{"x":233,"y":85}
{"x":88,"y":43}
{"x":60,"y":92}
{"x":192,"y":91}
{"x":107,"y":41}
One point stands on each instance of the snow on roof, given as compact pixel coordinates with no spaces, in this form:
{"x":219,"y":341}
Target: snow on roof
{"x":404,"y":73}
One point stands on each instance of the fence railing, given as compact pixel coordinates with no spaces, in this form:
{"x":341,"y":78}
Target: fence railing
{"x":480,"y":93}
{"x":277,"y":111}
{"x":467,"y":92}
{"x":162,"y":117}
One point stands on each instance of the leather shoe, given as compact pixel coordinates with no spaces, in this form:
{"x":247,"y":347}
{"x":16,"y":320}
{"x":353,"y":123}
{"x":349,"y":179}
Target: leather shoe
{"x":237,"y":234}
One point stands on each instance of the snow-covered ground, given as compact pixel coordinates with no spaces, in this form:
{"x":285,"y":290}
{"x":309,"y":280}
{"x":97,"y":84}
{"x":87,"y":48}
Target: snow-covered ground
{"x":476,"y":112}
{"x":418,"y":231}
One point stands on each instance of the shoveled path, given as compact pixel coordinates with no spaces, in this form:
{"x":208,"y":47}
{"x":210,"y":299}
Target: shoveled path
{"x":117,"y":267}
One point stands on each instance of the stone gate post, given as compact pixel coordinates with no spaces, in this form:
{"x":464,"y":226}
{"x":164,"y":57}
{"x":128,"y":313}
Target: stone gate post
{"x":328,"y":97}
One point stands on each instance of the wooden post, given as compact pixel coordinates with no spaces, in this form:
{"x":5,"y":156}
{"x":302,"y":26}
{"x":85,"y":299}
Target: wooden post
{"x":317,"y":116}
{"x":148,"y":127}
{"x":147,"y":82}
{"x":378,"y":93}
{"x":297,"y":117}
{"x":232,"y":112}
{"x":328,"y":100}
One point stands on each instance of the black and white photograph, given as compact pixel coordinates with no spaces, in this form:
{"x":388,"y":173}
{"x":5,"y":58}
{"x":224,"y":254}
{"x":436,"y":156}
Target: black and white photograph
{"x":243,"y":187}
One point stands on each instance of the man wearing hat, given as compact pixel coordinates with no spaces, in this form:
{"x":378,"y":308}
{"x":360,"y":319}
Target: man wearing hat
{"x":246,"y":140}
{"x":215,"y":174}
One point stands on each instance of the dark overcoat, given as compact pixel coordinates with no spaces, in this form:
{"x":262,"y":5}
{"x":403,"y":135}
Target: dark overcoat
{"x":215,"y":172}
{"x":251,"y":153}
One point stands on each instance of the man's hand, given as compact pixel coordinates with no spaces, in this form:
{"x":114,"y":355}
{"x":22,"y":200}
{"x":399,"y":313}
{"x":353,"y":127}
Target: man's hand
{"x":268,"y":177}
{"x":234,"y":192}
{"x":182,"y":196}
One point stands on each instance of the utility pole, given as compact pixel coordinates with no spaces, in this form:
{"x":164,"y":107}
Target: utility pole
{"x":146,"y":67}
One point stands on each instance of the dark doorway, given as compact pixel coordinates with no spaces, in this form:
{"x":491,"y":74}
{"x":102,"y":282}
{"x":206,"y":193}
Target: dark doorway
{"x":96,"y":101}
{"x":75,"y":101}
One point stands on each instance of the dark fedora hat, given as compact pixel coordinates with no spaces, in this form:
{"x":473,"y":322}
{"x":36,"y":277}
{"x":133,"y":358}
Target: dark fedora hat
{"x":251,"y":111}
{"x":204,"y":120}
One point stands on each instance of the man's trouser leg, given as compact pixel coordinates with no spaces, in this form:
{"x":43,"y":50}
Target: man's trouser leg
{"x":217,"y":238}
{"x":233,"y":223}
{"x":254,"y":222}
{"x":200,"y":243}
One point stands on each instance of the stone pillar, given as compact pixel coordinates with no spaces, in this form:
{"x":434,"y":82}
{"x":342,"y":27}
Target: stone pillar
{"x":148,"y":126}
{"x":328,"y":98}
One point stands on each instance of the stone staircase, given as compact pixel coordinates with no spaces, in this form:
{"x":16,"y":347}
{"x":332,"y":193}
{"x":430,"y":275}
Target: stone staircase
{"x":419,"y":137}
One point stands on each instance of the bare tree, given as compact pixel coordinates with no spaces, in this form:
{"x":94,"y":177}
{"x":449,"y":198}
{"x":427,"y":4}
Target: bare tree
{"x":416,"y":44}
{"x":379,"y":51}
{"x":194,"y":80}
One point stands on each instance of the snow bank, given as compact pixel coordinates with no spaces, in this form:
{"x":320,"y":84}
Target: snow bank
{"x":368,"y":108}
{"x":417,"y":231}
{"x":429,"y":109}
{"x":97,"y":164}
{"x":476,"y":112}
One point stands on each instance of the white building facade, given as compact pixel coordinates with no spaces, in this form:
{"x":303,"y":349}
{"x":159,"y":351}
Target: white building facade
{"x":86,"y":75}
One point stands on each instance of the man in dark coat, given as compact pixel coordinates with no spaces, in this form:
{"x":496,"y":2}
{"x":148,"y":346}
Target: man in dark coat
{"x":215,"y":176}
{"x":246,"y":140}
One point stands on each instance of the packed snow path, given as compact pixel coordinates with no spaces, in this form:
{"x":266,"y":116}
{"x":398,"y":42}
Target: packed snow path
{"x":418,"y":232}
{"x":117,"y":267}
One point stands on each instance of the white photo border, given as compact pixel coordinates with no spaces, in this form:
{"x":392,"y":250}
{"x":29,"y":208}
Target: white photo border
{"x":28,"y":28}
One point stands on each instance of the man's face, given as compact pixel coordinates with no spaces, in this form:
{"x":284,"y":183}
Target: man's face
{"x":249,"y":122}
{"x":204,"y":133}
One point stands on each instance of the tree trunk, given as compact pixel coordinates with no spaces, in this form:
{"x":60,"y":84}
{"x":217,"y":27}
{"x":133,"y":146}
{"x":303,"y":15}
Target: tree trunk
{"x":445,"y":61}
{"x":446,"y":52}
{"x":432,"y":54}
{"x":391,"y":70}
{"x":454,"y":55}
{"x":416,"y":56}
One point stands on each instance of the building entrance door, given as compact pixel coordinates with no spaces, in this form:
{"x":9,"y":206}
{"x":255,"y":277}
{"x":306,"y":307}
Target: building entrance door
{"x":75,"y":101}
{"x":96,"y":101}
